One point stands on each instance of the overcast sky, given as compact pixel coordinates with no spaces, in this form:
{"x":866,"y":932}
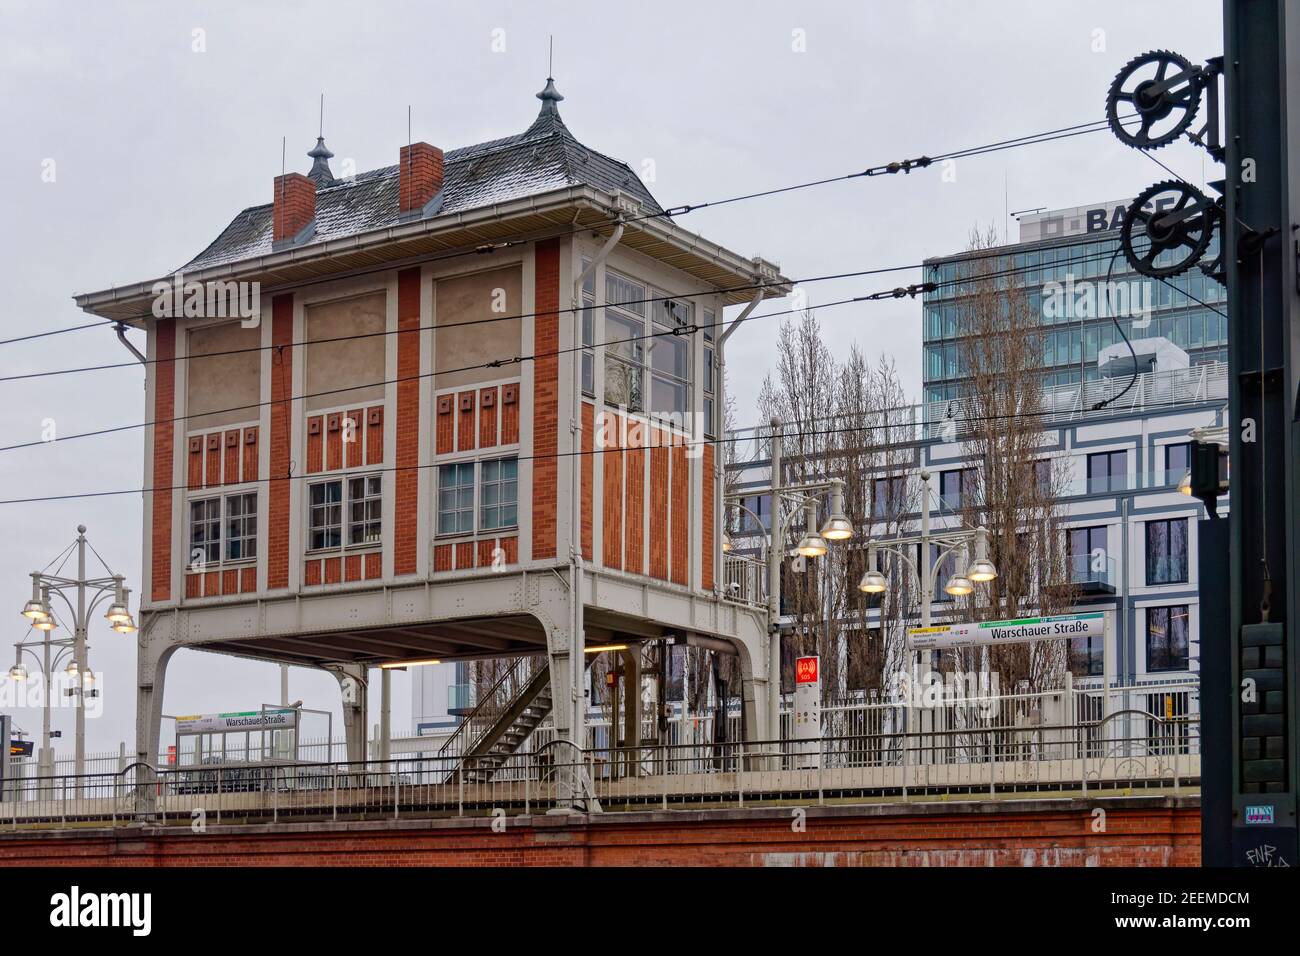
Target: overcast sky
{"x":155,"y":146}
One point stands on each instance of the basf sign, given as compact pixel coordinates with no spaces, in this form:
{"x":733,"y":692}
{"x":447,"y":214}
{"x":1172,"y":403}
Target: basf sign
{"x":1078,"y":220}
{"x":983,"y":633}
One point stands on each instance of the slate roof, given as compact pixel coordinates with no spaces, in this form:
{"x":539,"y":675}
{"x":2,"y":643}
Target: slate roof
{"x":543,"y":158}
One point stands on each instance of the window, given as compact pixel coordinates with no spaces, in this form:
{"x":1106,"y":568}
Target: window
{"x":1086,"y":656}
{"x":365,"y":507}
{"x":888,"y":496}
{"x":1177,"y":461}
{"x":456,"y":498}
{"x":500,"y":494}
{"x":670,"y":359}
{"x":325,"y":515}
{"x":1167,"y":551}
{"x":588,"y":331}
{"x":710,"y":387}
{"x":646,"y":373}
{"x":238,"y":526}
{"x":205,"y":531}
{"x":1167,"y":638}
{"x":624,"y":342}
{"x":1107,"y":471}
{"x":241,"y":526}
{"x":952,"y":485}
{"x":1043,"y":476}
{"x":742,"y":518}
{"x":1088,"y":555}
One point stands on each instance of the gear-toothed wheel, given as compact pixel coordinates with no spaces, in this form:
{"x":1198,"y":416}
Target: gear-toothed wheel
{"x":1164,"y":91}
{"x":1171,"y":216}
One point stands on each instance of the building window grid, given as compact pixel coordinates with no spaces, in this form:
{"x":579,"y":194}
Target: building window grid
{"x":223,"y":529}
{"x":1168,"y":637}
{"x":1166,"y":551}
{"x":478,"y":497}
{"x":359,"y":498}
{"x":645,"y":373}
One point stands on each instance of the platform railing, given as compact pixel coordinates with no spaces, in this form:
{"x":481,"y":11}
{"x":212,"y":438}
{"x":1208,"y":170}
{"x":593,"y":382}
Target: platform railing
{"x":1128,"y":752}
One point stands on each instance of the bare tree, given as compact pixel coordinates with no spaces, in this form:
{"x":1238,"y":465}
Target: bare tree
{"x":850,"y":421}
{"x":1014,"y":488}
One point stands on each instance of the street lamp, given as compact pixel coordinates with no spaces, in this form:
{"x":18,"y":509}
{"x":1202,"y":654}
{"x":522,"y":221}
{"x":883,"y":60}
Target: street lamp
{"x":80,"y":595}
{"x":837,"y":527}
{"x":949,"y":543}
{"x":813,"y":544}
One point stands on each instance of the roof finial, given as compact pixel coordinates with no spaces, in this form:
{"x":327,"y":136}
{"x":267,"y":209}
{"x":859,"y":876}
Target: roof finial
{"x":320,"y":168}
{"x":550,"y":95}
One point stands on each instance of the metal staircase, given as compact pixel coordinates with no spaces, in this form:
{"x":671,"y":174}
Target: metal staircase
{"x":502,"y":720}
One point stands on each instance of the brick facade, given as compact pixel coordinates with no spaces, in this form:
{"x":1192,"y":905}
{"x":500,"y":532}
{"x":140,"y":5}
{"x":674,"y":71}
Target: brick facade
{"x":164,"y":446}
{"x":407,"y":477}
{"x":546,"y":397}
{"x":1148,"y":832}
{"x":279,"y":484}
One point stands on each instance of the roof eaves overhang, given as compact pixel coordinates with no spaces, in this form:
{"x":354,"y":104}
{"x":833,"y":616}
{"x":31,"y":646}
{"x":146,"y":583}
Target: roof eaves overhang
{"x":558,"y":212}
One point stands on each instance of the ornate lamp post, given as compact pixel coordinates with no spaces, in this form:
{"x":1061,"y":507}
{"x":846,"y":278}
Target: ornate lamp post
{"x":81,"y":596}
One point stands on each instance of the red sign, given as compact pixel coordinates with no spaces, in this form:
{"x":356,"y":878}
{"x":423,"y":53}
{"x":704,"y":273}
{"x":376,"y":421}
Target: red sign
{"x":805,"y":670}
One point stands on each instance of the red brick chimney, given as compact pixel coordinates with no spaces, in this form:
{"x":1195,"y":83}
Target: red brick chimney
{"x":295,"y":205}
{"x":420,"y":175}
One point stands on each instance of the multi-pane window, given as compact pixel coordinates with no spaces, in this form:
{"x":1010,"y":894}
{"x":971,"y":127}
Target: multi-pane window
{"x":588,"y":331}
{"x":624,"y":342}
{"x":325,"y":514}
{"x":365,"y":507}
{"x":223,"y":529}
{"x":499,"y":491}
{"x":456,"y":498}
{"x":359,"y":497}
{"x":670,"y":358}
{"x":241,"y":526}
{"x":646,"y":373}
{"x":205,"y":531}
{"x":1167,"y":551}
{"x":1107,"y":471}
{"x":709,"y":373}
{"x":1167,"y":638}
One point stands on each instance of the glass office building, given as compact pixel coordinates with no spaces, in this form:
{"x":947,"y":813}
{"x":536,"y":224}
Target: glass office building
{"x":1055,"y":246}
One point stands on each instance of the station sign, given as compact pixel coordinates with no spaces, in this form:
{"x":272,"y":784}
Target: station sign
{"x":238,"y":722}
{"x":1018,"y":631}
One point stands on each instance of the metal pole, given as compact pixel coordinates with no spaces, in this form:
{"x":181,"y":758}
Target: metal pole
{"x":385,"y":712}
{"x":79,"y":655}
{"x":46,"y":761}
{"x":775,"y":552}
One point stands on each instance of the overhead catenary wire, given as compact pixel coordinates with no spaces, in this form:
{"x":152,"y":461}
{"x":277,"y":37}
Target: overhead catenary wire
{"x":569,"y":310}
{"x":687,"y":444}
{"x":514,"y":360}
{"x":894,"y":167}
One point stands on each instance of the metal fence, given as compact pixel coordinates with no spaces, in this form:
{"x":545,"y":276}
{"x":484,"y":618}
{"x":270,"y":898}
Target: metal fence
{"x":977,"y":763}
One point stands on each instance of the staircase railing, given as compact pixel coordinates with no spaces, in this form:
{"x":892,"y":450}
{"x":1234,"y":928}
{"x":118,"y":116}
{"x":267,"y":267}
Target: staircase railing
{"x":493,"y":703}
